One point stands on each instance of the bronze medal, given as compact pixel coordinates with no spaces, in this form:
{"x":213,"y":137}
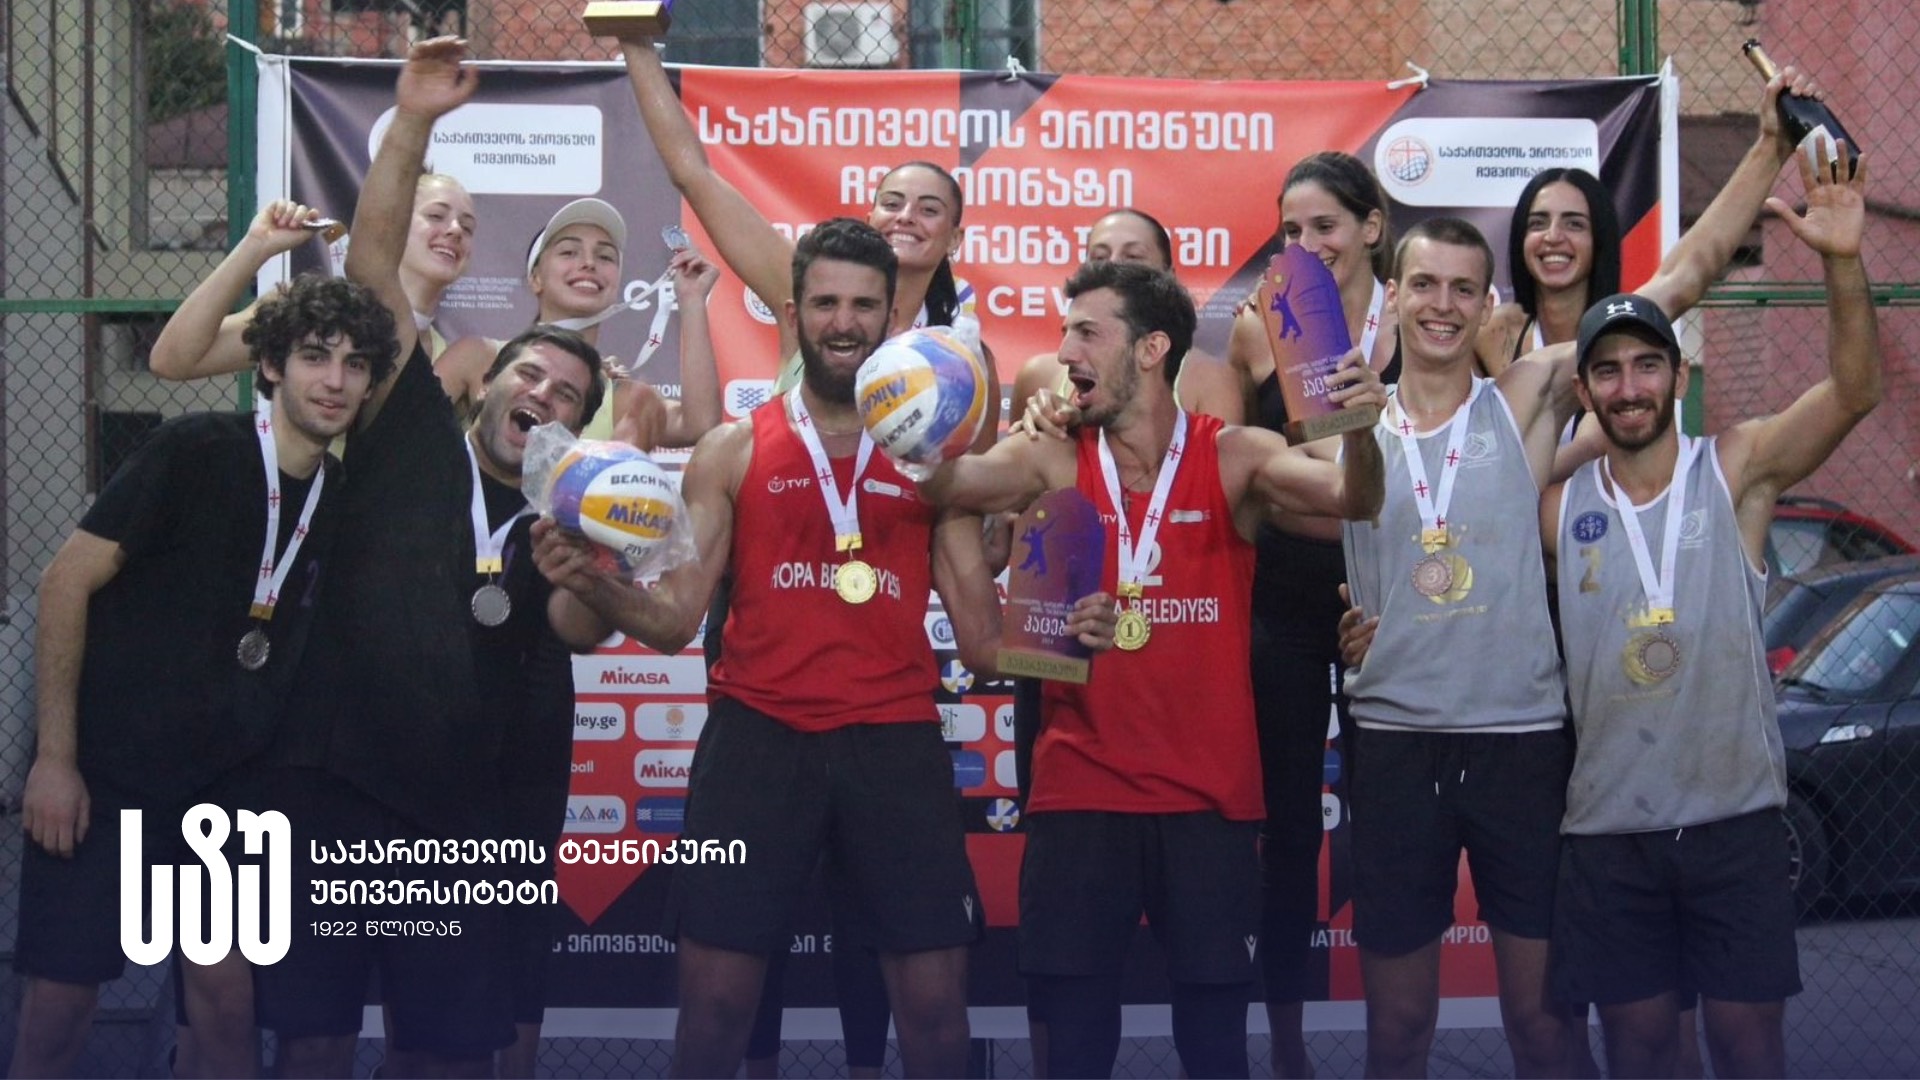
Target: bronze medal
{"x":1432,"y":577}
{"x":855,"y":581}
{"x":254,"y":649}
{"x":491,"y":605}
{"x":1651,"y":656}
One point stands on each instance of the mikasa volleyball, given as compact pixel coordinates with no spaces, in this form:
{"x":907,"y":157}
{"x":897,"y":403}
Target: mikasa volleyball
{"x":922,"y":395}
{"x":615,"y":496}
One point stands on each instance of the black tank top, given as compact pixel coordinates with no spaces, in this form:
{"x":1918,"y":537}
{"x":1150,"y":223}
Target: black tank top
{"x":1296,"y":579}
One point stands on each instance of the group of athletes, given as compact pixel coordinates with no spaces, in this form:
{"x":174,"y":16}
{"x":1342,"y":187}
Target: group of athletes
{"x":378,"y":645}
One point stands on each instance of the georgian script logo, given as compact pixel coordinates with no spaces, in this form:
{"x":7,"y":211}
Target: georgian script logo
{"x":209,"y":895}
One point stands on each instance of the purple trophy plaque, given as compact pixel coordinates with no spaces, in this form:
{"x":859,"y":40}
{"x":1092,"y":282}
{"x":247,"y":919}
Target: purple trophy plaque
{"x":1059,"y":555}
{"x":1307,"y":329}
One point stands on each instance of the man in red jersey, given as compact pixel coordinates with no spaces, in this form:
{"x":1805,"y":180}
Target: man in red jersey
{"x":1146,"y":781}
{"x":822,"y":733}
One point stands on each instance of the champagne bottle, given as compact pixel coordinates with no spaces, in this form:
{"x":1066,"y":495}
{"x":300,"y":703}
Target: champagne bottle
{"x":1806,"y":121}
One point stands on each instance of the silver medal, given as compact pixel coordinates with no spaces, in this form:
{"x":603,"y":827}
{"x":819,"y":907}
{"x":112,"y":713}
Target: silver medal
{"x":491,"y":605}
{"x":254,"y":649}
{"x":676,"y":238}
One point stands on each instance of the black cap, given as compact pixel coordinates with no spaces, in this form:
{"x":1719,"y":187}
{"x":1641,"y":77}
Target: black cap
{"x":1626,"y":311}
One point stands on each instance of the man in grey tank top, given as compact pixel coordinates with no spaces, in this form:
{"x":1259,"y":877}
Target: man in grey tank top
{"x":1674,"y":867}
{"x":1460,"y":707}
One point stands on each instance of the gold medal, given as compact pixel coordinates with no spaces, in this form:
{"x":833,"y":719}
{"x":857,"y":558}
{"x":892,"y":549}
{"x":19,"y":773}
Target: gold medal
{"x":1132,"y":630}
{"x":1651,"y":656}
{"x":855,"y":581}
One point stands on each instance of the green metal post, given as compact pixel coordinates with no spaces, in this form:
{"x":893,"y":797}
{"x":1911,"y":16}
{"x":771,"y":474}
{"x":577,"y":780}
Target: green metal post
{"x":967,"y":18}
{"x":243,"y":93}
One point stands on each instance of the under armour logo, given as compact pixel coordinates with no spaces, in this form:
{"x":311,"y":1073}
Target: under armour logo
{"x":1623,"y":307}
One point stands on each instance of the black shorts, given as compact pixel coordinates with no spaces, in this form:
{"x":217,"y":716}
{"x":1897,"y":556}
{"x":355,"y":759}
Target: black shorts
{"x":1418,"y":799}
{"x":536,"y":814}
{"x":446,"y":992}
{"x":877,"y":799}
{"x":1088,"y":875}
{"x":70,"y":908}
{"x":1704,"y":908}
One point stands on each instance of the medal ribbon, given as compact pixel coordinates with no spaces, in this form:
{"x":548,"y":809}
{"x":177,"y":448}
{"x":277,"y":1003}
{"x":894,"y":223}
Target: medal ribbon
{"x":845,"y":513}
{"x":1659,"y":587}
{"x":1133,"y":556}
{"x":487,"y":546}
{"x":1371,"y":328}
{"x":273,"y":572}
{"x":1433,"y":505}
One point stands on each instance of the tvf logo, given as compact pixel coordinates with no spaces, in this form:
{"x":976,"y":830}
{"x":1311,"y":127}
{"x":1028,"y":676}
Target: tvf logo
{"x":207,"y":890}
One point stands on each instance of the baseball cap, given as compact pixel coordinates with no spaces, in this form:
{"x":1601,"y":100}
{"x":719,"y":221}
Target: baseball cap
{"x":1626,"y":311}
{"x":578,"y":212}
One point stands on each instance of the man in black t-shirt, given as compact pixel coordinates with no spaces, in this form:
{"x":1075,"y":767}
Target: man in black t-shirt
{"x":437,"y":698}
{"x":170,"y":623}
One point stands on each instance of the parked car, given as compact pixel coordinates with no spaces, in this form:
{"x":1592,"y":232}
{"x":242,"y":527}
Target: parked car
{"x":1800,"y":606}
{"x":1849,"y":712}
{"x":1809,"y":532}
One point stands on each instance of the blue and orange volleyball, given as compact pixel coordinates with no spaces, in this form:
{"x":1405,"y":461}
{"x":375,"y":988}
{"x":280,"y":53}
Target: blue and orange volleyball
{"x":922,"y":396}
{"x":616,"y":497}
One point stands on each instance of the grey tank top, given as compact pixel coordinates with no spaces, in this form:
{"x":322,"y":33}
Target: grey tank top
{"x":1672,"y":732}
{"x":1477,"y":655}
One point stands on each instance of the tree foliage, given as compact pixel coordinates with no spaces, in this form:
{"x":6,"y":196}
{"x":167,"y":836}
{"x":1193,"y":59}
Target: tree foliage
{"x":186,"y":62}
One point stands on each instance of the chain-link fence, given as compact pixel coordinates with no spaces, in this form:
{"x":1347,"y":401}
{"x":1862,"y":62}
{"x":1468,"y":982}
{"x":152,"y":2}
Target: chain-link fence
{"x":126,"y":144}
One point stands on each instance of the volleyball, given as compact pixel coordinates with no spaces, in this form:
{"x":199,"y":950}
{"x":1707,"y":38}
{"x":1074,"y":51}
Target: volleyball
{"x":922,"y":396}
{"x":616,"y":497}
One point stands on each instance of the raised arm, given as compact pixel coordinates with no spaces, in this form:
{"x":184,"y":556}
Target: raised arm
{"x":1262,"y":474}
{"x":745,"y":239}
{"x":1766,"y":456}
{"x":434,"y":82}
{"x":202,"y":337}
{"x":588,"y":603}
{"x":54,"y":806}
{"x":1208,"y":384}
{"x":1008,"y":477}
{"x":1703,"y":252}
{"x":1539,"y":389}
{"x":699,"y":409}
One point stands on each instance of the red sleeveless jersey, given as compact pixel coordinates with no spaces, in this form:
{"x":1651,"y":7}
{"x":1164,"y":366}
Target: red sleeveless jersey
{"x":1169,"y":728}
{"x":791,"y":648}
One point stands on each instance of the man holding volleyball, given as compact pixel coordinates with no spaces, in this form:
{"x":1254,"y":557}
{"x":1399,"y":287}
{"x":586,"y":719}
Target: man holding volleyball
{"x":822,"y":733}
{"x":1146,"y":781}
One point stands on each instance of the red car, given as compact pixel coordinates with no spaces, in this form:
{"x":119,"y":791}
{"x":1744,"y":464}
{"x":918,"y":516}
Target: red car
{"x":1809,"y":532}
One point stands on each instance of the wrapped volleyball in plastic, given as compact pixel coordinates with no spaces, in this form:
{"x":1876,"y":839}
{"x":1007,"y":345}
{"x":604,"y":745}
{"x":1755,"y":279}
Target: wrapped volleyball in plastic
{"x":923,"y":395}
{"x":612,"y":494}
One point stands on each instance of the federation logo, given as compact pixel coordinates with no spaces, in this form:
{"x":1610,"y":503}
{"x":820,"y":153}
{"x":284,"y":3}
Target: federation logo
{"x":1693,"y":527}
{"x":1479,"y":445}
{"x":745,"y":395}
{"x":1003,"y":815}
{"x":1589,"y":527}
{"x":955,"y":677}
{"x":1409,"y":159}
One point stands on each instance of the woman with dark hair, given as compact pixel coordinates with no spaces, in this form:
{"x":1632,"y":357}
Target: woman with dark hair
{"x":917,"y":207}
{"x":1331,"y":205}
{"x":1563,"y":252}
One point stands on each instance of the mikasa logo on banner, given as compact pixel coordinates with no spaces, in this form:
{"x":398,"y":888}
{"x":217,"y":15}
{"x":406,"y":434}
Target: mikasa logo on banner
{"x":205,"y":828}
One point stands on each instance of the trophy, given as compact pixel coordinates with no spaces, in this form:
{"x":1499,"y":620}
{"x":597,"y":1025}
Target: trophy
{"x":628,"y":18}
{"x":1300,"y":303}
{"x":1059,"y":556}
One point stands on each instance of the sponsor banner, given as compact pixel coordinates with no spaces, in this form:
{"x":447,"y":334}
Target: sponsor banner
{"x":1039,"y":159}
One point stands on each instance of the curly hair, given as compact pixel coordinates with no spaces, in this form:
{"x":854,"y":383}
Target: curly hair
{"x":1150,"y":299}
{"x":326,"y":308}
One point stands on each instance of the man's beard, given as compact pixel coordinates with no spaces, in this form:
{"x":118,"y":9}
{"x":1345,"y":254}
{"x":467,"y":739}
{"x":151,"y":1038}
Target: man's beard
{"x":1662,"y":420}
{"x":826,"y":384}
